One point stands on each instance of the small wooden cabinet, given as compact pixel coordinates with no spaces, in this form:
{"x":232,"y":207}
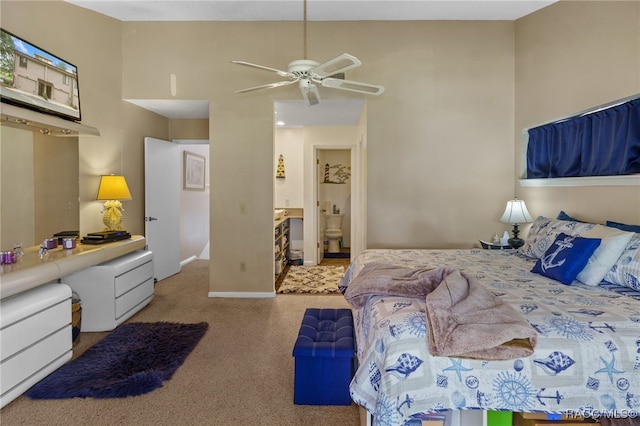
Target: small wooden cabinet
{"x":111,"y":292}
{"x":281,"y":245}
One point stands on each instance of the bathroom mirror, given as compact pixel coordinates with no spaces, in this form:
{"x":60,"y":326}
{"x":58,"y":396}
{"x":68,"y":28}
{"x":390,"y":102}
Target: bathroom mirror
{"x":38,"y":186}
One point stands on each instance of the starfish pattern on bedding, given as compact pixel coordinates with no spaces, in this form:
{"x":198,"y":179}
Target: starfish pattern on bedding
{"x":456,"y":365}
{"x":609,"y":368}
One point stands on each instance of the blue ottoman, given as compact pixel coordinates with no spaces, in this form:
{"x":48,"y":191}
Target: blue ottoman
{"x":323,"y":355}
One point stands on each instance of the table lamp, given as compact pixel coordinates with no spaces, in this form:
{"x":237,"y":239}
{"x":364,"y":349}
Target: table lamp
{"x":516,"y":213}
{"x":113,"y":189}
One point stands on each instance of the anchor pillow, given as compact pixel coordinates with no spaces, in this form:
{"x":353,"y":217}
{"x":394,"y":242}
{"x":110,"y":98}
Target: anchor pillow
{"x":566,"y":257}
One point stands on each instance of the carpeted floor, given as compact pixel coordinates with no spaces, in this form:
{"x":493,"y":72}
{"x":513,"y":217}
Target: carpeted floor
{"x":240,"y":373}
{"x":316,"y":279}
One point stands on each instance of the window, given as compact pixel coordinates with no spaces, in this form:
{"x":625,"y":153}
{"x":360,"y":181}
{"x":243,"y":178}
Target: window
{"x":602,"y":142}
{"x":23,"y":62}
{"x":45,"y":89}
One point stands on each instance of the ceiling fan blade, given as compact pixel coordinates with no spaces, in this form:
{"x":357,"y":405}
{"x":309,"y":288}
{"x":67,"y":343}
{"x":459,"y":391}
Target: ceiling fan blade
{"x":353,"y":86}
{"x":262,"y":67}
{"x":336,"y":65}
{"x":309,"y":92}
{"x":266,"y":86}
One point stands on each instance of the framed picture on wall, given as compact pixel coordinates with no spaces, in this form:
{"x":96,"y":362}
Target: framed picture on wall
{"x":193,"y":169}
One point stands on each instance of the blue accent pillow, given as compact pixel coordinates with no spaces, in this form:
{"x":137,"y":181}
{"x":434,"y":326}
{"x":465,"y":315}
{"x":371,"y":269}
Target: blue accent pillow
{"x":563,"y":216}
{"x":623,"y":226}
{"x":566,"y":257}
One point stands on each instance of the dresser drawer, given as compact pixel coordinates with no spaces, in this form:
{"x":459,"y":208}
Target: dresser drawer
{"x":32,"y":316}
{"x":131,"y":299}
{"x":113,"y":291}
{"x":133,"y":278}
{"x":35,"y":358}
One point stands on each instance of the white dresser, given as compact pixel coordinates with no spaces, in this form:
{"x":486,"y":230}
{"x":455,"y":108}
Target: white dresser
{"x":113,"y":291}
{"x":35,"y":331}
{"x":35,"y":309}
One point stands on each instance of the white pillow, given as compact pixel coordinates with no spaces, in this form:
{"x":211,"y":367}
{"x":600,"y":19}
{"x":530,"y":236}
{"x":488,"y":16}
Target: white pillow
{"x":613,"y":244}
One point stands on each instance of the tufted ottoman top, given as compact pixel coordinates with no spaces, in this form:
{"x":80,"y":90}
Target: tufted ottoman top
{"x":325,"y":333}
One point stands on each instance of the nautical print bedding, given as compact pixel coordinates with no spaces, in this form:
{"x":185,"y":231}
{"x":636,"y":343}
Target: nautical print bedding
{"x":587,"y":356}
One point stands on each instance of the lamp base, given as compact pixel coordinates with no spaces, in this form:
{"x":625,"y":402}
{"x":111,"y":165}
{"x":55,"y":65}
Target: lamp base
{"x":515,"y":242}
{"x":112,"y":217}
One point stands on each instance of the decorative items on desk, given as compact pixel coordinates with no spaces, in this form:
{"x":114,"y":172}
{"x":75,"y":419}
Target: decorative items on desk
{"x":7,"y":257}
{"x":50,"y":243}
{"x":68,"y":243}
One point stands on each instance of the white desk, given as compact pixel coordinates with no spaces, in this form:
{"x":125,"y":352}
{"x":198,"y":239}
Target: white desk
{"x":31,"y":271}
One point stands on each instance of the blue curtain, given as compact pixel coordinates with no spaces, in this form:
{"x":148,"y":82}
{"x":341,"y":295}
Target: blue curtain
{"x":603,"y":143}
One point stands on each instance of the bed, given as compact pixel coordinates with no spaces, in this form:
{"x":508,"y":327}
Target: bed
{"x":585,"y":360}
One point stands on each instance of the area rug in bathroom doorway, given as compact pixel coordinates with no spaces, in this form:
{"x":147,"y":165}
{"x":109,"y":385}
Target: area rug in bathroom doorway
{"x":312,"y":279}
{"x":133,"y":359}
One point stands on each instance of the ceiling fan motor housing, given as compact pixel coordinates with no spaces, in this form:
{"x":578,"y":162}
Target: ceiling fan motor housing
{"x":301,"y":67}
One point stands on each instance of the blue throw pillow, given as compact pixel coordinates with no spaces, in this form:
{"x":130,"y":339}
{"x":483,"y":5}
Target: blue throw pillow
{"x":563,"y":216}
{"x":566,"y":257}
{"x":623,"y":226}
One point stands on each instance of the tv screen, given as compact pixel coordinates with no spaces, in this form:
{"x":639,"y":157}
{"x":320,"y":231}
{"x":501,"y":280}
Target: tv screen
{"x":33,"y":78}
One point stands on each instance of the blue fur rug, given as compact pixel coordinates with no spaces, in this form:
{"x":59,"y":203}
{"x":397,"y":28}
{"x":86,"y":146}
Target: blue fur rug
{"x":134,"y":359}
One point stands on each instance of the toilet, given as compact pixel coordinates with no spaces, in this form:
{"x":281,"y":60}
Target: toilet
{"x":333,"y":231}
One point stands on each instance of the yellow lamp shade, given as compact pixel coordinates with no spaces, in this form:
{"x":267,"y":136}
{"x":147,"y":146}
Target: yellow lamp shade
{"x":113,"y":187}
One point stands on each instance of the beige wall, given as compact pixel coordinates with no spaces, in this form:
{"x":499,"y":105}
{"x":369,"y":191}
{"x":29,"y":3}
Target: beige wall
{"x":289,"y":192}
{"x":587,"y":55}
{"x":442,"y":141}
{"x":188,"y":129}
{"x":440,"y":157}
{"x":93,"y":43}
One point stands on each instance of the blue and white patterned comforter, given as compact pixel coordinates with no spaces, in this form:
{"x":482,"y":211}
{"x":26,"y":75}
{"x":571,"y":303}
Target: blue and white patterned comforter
{"x":587,"y":356}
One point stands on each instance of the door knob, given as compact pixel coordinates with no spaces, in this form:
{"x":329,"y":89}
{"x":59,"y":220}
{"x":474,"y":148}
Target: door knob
{"x":149,"y":219}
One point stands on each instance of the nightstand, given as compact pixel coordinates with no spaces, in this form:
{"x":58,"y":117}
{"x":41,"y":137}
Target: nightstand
{"x":491,"y":246}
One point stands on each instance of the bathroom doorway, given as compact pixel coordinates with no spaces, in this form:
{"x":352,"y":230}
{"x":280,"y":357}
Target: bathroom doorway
{"x":333,"y":177}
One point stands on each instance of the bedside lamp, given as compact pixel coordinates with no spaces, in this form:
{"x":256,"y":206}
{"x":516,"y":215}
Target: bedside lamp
{"x":516,"y":213}
{"x":113,"y":189}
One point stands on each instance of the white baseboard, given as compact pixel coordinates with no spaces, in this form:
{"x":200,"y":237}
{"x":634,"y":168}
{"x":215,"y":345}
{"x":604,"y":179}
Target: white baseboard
{"x":187,"y":260}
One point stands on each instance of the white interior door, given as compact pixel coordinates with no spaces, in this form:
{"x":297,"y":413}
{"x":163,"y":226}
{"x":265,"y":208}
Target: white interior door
{"x":162,"y":205}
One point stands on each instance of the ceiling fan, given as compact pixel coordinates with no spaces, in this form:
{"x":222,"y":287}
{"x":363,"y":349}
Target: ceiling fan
{"x":308,"y":74}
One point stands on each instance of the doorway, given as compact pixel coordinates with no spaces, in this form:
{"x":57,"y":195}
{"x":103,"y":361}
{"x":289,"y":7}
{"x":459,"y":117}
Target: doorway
{"x":175,"y":212}
{"x":298,"y":142}
{"x":333,"y":187}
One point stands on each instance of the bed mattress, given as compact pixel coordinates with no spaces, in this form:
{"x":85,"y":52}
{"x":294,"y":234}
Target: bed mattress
{"x":587,"y":357}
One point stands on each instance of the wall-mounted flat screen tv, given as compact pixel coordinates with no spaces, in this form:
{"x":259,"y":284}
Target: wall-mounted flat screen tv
{"x":33,"y":78}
